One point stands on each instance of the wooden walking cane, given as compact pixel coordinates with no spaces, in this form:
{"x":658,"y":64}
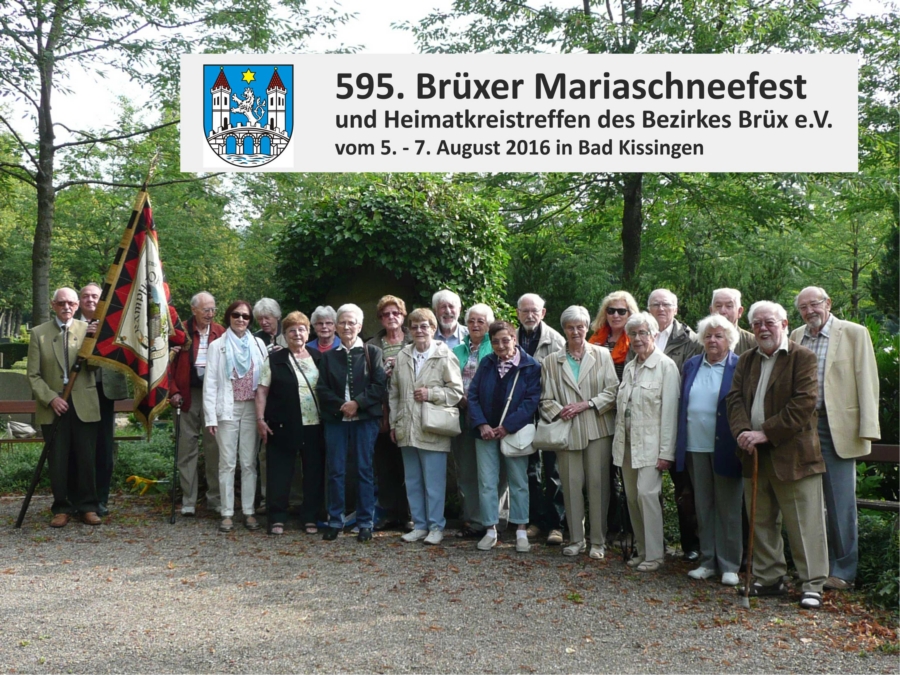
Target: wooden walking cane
{"x":745,"y":601}
{"x":48,"y":442}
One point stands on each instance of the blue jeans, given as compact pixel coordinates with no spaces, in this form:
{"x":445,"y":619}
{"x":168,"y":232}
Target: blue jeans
{"x":489,"y":458}
{"x":357,"y":437}
{"x":426,"y":485}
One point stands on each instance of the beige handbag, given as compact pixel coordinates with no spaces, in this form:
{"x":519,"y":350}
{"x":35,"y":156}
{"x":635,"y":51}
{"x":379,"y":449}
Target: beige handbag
{"x":553,"y":435}
{"x":440,"y":420}
{"x":518,"y":444}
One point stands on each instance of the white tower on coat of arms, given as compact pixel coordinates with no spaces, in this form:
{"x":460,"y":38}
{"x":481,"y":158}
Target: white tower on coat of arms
{"x":221,"y":103}
{"x":277,"y":92}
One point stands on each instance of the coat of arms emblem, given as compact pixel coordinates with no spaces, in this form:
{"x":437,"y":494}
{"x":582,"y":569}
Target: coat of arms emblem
{"x":251,"y":124}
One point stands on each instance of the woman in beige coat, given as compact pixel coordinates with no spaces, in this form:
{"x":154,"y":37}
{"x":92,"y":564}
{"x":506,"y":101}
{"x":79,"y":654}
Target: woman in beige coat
{"x":424,"y":371}
{"x":579,"y":383}
{"x":646,"y":427}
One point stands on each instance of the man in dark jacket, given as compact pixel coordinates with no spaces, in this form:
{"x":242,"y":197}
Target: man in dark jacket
{"x":186,"y":392}
{"x":772,"y":414}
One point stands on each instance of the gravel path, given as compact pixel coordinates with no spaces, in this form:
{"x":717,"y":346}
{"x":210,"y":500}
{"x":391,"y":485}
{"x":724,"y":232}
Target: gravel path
{"x":140,"y":595}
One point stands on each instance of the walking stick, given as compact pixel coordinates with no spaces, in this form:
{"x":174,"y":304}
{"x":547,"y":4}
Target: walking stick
{"x":48,"y":443}
{"x":175,"y":461}
{"x":745,"y":601}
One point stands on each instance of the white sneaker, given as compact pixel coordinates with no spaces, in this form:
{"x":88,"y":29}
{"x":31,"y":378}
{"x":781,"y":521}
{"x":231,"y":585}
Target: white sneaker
{"x":730,"y":579}
{"x":415,"y":535}
{"x":435,"y":537}
{"x":598,"y":552}
{"x":487,"y":542}
{"x":522,"y":545}
{"x":188,"y":511}
{"x":575,"y":548}
{"x":701,"y":573}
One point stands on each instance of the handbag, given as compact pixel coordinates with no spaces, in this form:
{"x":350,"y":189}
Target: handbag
{"x":440,"y":420}
{"x":553,"y":435}
{"x":384,"y":424}
{"x":518,"y":444}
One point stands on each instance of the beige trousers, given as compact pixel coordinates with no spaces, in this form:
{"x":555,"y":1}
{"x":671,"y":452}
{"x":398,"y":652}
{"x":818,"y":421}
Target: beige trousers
{"x":642,"y":488}
{"x":587,"y":468}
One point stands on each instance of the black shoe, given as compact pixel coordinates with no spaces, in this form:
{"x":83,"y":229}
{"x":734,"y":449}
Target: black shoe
{"x":469,"y":532}
{"x":330,"y":533}
{"x":365,"y":535}
{"x":691,"y":556}
{"x":102,"y":510}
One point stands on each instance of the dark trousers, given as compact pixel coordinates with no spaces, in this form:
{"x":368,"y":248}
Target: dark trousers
{"x":343,"y":442}
{"x":280,"y":466}
{"x":546,"y":506}
{"x":687,"y":513}
{"x":105,"y":444}
{"x":390,"y":490}
{"x":76,"y":440}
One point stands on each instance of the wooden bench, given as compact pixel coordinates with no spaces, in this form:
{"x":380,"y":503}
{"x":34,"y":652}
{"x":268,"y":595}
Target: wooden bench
{"x":881,"y":454}
{"x":30,"y":408}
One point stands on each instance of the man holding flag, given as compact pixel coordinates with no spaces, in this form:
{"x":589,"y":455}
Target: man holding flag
{"x":52,"y":352}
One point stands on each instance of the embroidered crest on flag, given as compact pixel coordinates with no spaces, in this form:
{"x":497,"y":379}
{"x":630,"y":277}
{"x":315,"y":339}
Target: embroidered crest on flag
{"x":248,"y":112}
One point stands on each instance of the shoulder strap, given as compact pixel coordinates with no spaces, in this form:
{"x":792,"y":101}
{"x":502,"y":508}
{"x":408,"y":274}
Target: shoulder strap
{"x":509,"y":398}
{"x":309,"y":386}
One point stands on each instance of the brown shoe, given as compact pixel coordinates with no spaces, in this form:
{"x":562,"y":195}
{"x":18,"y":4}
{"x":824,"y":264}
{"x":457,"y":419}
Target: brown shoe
{"x":90,"y":518}
{"x":60,"y":520}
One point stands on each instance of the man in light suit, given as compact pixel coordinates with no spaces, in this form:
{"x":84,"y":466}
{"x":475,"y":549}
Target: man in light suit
{"x":52,"y":352}
{"x":772,"y":413}
{"x":847,"y":404}
{"x":111,"y":387}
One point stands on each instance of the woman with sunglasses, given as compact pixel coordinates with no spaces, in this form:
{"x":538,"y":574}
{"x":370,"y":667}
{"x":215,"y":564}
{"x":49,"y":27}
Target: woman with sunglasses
{"x":390,"y":502}
{"x":234,"y":365}
{"x":609,"y":327}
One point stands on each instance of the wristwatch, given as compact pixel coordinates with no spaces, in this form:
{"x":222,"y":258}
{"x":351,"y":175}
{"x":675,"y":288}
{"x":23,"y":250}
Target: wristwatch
{"x":591,"y":405}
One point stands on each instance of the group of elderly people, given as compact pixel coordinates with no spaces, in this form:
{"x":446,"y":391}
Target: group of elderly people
{"x":618,"y":391}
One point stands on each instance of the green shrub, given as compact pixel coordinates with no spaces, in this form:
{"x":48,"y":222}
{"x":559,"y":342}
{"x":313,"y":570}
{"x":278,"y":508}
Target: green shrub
{"x":879,"y":559}
{"x":17,"y":468}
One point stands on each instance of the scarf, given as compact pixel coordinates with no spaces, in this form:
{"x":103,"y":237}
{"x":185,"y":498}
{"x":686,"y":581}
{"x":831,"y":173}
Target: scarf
{"x":240,"y":356}
{"x":620,"y":351}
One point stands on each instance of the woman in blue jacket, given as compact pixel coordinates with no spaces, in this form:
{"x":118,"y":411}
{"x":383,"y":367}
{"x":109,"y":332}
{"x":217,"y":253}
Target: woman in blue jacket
{"x":706,"y":446}
{"x":507,"y":374}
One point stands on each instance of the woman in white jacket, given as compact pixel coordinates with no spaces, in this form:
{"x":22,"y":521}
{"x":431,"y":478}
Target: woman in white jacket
{"x":234,"y":364}
{"x":644,"y":445}
{"x":424,"y":371}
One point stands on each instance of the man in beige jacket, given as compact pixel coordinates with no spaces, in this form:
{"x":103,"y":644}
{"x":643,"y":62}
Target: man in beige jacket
{"x":52,"y":352}
{"x":847,"y":404}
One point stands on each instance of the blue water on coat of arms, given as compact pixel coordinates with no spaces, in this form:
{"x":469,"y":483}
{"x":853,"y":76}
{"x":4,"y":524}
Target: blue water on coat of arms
{"x":248,"y":111}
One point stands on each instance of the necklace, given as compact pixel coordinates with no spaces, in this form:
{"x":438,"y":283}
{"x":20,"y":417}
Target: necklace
{"x":576,"y":359}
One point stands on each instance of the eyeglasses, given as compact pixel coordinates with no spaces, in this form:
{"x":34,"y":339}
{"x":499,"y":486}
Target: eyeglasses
{"x":424,"y":327}
{"x":299,"y":330}
{"x":239,"y":315}
{"x":661,"y":305}
{"x":501,"y":341}
{"x":347,"y":324}
{"x":575,"y":328}
{"x":208,"y":310}
{"x":65,"y":303}
{"x":768,"y":323}
{"x":814,"y":304}
{"x":529,"y":311}
{"x":391,"y":313}
{"x":640,"y":333}
{"x":621,"y":311}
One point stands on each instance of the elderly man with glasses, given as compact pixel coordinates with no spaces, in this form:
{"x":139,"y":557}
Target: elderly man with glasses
{"x":52,"y":351}
{"x":186,"y":391}
{"x":847,"y":403}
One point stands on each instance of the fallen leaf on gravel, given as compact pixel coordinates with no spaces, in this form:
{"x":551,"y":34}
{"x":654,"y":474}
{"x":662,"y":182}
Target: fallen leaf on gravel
{"x":9,"y":571}
{"x":171,"y":565}
{"x":570,"y":650}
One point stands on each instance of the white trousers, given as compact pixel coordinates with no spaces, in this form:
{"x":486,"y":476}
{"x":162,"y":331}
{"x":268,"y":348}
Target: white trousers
{"x":238,"y":438}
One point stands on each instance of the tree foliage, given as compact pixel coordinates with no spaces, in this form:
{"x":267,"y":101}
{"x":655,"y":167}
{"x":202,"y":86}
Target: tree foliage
{"x":418,"y":228}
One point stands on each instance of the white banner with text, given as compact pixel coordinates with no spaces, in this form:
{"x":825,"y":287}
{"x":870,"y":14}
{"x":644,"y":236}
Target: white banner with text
{"x":489,"y":113}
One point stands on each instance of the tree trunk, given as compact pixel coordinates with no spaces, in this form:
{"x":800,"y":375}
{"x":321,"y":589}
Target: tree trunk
{"x":632,"y":224}
{"x":46,"y":193}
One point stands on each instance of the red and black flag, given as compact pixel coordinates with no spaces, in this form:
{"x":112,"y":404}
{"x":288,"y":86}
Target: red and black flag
{"x":133,"y":314}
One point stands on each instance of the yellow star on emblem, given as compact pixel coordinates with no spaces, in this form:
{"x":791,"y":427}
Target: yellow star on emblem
{"x":249,"y":76}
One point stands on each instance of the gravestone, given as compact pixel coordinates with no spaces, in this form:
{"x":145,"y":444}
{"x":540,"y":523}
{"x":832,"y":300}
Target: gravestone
{"x":15,"y":387}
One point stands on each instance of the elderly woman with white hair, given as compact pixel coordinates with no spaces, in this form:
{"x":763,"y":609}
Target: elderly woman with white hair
{"x":469,"y":353}
{"x":706,"y":446}
{"x":267,"y":313}
{"x":579,"y":384}
{"x":351,"y":387}
{"x":644,"y":446}
{"x":323,"y":321}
